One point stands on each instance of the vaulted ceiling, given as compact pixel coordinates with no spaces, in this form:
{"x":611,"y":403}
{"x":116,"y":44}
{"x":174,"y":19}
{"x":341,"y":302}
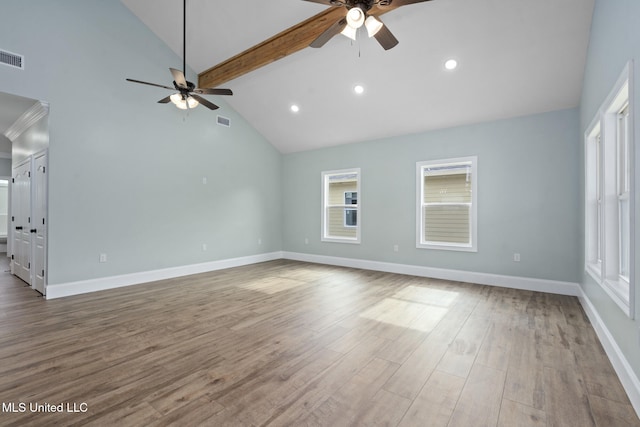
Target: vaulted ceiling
{"x":515,"y":58}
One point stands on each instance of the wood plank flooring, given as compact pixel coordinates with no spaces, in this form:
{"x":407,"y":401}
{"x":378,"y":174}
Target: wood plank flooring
{"x":286,"y":343}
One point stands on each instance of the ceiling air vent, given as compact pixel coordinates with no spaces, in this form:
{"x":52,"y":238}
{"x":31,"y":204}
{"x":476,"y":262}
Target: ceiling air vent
{"x":11,"y":59}
{"x":223,"y":121}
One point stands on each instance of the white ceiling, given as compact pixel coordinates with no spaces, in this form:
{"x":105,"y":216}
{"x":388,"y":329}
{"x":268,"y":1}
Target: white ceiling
{"x":517,"y":57}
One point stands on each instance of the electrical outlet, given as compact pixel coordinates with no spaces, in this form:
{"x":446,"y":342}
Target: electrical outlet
{"x":103,"y":257}
{"x":516,"y":257}
{"x":396,"y":248}
{"x":259,"y":241}
{"x":306,"y":240}
{"x":204,"y":247}
{"x":204,"y":179}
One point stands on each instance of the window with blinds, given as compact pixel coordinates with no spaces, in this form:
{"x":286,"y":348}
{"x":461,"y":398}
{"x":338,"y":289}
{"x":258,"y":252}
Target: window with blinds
{"x":340,"y":206}
{"x":447,"y":204}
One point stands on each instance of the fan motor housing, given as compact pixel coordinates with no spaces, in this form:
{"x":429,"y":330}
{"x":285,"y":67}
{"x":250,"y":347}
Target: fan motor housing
{"x":365,"y":5}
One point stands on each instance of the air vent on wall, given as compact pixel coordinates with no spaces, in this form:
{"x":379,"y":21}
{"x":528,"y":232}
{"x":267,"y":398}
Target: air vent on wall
{"x":11,"y":59}
{"x":223,"y":121}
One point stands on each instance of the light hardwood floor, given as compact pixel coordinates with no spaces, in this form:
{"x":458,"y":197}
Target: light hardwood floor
{"x":292,"y":344}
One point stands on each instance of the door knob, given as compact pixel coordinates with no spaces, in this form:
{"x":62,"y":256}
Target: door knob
{"x":19,"y":227}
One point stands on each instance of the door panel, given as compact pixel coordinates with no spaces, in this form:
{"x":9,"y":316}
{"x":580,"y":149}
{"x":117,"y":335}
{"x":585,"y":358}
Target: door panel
{"x":20,"y":213}
{"x":39,"y":222}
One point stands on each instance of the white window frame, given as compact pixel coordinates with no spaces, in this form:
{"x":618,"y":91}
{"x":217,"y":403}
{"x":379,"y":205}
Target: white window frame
{"x":473,"y":211}
{"x":325,"y":237}
{"x":593,"y":200}
{"x":606,"y":234}
{"x":623,"y":189}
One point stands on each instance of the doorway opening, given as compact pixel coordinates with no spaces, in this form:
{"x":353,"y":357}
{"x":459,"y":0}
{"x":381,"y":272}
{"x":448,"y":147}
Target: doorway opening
{"x":24,"y":144}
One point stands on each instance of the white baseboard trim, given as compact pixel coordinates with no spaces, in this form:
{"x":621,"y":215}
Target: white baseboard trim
{"x":627,"y":376}
{"x":111,"y":282}
{"x":514,"y":282}
{"x":103,"y":283}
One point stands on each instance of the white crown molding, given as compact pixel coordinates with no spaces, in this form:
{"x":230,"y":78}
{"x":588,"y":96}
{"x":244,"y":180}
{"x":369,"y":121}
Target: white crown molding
{"x":37,"y":111}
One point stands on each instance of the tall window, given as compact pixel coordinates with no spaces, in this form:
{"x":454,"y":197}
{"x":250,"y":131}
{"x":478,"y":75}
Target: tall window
{"x":624,"y":184}
{"x":341,"y":206}
{"x":594,"y":207}
{"x":609,"y":248}
{"x":446,"y":204}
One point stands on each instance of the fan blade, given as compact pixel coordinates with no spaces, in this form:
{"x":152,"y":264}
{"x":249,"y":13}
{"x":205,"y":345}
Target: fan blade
{"x":209,"y":105}
{"x":386,"y":39}
{"x":165,"y":100}
{"x":150,"y":84}
{"x":178,"y":77}
{"x":328,"y":2}
{"x":333,"y":30}
{"x":398,"y":3}
{"x":211,"y":91}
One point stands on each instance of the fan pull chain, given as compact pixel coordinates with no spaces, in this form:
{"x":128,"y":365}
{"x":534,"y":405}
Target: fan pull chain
{"x":356,"y":42}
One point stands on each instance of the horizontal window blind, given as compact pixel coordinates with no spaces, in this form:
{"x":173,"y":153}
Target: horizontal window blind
{"x":446,"y":204}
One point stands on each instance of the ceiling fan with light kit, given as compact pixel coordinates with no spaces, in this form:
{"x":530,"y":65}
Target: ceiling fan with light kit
{"x":187,"y":95}
{"x":359,"y":13}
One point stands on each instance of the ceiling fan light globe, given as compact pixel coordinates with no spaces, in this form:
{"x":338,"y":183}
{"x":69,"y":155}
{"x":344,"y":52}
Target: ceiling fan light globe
{"x":349,"y":32}
{"x":192,"y":102}
{"x":373,"y":25}
{"x":355,"y":18}
{"x":176,"y":98}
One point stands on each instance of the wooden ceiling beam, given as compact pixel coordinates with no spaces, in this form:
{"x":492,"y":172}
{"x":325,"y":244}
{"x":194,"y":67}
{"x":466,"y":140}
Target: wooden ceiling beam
{"x":277,"y":47}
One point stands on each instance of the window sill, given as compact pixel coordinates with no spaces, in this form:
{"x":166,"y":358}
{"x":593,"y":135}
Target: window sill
{"x":445,"y":247}
{"x":618,"y":290}
{"x":339,"y":240}
{"x":595,"y":272}
{"x":619,"y":293}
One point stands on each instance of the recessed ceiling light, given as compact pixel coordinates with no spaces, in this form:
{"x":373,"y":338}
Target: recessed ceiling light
{"x":295,"y":108}
{"x":359,"y":89}
{"x":451,"y":64}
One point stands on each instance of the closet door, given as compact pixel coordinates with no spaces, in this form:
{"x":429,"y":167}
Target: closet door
{"x":21,"y":218}
{"x":39,"y":221}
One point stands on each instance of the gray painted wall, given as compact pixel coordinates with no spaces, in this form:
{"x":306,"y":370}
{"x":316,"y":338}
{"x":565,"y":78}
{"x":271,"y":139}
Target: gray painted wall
{"x":615,"y":39}
{"x":5,"y":167}
{"x":125,"y":172}
{"x":5,"y":144}
{"x":527,"y":197}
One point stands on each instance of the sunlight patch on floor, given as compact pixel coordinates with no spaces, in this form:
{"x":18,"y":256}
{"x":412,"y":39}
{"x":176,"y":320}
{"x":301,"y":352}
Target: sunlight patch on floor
{"x":413,"y":307}
{"x":429,"y":296}
{"x":271,"y":285}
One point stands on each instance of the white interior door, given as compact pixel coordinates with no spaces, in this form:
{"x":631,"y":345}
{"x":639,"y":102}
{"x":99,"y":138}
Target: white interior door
{"x":20,"y":215}
{"x":39,"y":222}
